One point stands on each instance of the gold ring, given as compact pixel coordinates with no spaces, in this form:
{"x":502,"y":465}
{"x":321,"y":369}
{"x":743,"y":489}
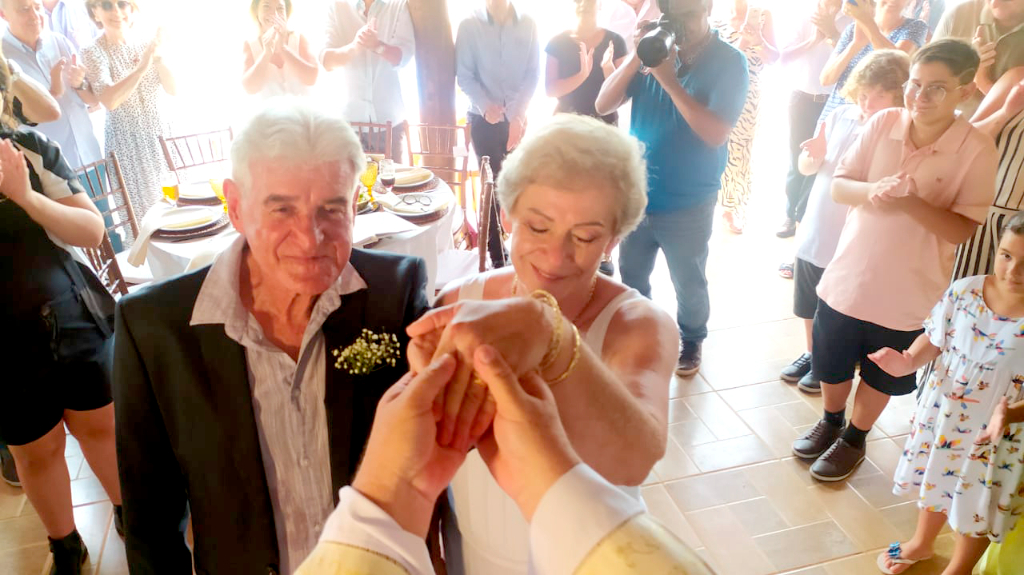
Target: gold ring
{"x":478,"y":381}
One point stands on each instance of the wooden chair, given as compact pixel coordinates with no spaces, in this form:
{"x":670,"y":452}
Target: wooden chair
{"x":193,"y":153}
{"x":443,"y":150}
{"x":104,"y":183}
{"x":104,"y":262}
{"x":376,"y":138}
{"x":485,"y":209}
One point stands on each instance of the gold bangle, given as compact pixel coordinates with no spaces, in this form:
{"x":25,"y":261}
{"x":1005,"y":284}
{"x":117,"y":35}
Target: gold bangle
{"x":573,"y":362}
{"x":555,"y":344}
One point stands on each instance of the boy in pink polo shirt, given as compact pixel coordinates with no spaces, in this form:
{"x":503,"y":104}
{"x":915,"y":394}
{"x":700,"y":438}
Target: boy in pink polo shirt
{"x":919,"y":181}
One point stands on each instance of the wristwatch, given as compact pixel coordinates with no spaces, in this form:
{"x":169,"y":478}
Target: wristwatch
{"x":379,"y":49}
{"x":84,"y":86}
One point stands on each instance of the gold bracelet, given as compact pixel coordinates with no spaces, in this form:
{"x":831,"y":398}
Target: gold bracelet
{"x":573,"y":362}
{"x":555,"y":345}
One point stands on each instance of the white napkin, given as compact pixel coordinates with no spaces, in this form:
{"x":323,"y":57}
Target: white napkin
{"x":156,"y":219}
{"x":371,"y":227}
{"x":393,"y":202}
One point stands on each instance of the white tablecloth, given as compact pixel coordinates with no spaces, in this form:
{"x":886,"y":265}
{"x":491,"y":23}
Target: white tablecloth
{"x":168,"y":259}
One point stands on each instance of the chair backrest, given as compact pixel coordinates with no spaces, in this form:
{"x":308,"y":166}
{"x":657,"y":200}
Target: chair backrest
{"x":443,"y":150}
{"x":104,"y":262}
{"x":104,"y":183}
{"x":485,"y":209}
{"x":376,"y":138}
{"x":184,"y":154}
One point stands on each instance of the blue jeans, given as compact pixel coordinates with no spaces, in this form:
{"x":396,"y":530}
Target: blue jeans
{"x":683,"y":235}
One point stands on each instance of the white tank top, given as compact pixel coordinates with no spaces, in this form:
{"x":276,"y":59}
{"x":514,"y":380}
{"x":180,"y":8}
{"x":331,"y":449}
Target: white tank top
{"x":495,"y":536}
{"x":278,"y":83}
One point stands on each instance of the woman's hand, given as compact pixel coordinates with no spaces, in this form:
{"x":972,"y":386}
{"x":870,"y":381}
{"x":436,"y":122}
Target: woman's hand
{"x":986,"y":52}
{"x":586,"y":59}
{"x":863,"y":11}
{"x":519,"y":328}
{"x":817,"y":146}
{"x":824,"y":22}
{"x":895,"y":363}
{"x":860,"y":37}
{"x":608,"y":61}
{"x":993,"y":432}
{"x":14,"y":182}
{"x":750,"y":36}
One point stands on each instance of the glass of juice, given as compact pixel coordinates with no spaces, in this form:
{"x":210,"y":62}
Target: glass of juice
{"x":170,"y":190}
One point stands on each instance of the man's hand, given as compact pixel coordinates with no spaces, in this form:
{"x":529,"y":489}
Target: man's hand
{"x":642,"y":28}
{"x":367,"y":35}
{"x":890,"y":188}
{"x":404,"y":469}
{"x":516,"y":130}
{"x":493,"y":114}
{"x":817,"y":146}
{"x":75,"y":73}
{"x":14,"y":182}
{"x":665,"y":73}
{"x":527,"y":450}
{"x":57,"y":78}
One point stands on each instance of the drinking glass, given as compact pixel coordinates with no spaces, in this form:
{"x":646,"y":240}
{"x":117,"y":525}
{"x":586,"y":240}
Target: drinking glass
{"x":369,"y":177}
{"x":387,"y":174}
{"x":218,"y":188}
{"x":170,"y":190}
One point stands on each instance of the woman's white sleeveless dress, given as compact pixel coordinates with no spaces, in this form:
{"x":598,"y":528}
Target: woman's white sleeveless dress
{"x":494,"y":534}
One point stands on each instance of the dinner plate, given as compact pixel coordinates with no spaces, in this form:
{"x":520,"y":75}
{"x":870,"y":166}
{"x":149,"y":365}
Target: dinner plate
{"x":409,"y":177}
{"x":417,"y":204}
{"x":196,"y":191}
{"x":189,"y":218}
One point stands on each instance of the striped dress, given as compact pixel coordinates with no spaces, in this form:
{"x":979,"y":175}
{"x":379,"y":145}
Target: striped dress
{"x":975,"y":256}
{"x":737,"y":179}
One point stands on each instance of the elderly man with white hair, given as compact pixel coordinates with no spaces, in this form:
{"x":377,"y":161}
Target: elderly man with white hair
{"x":244,"y":392}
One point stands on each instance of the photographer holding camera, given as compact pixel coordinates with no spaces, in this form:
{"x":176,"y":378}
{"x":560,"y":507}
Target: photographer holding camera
{"x":688,"y":89}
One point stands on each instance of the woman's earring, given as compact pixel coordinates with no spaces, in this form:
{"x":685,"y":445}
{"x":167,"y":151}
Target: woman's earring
{"x":605,"y":258}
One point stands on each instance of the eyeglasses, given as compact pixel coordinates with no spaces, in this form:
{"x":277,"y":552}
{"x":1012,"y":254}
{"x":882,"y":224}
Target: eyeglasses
{"x":415,"y":199}
{"x":933,"y":94}
{"x":123,"y":6}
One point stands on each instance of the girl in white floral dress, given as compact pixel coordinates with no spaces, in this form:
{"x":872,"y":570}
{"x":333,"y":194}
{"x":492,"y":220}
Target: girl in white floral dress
{"x":963,"y":459}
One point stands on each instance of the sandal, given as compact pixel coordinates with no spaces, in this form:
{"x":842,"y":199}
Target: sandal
{"x":893,"y":554}
{"x":786,"y":271}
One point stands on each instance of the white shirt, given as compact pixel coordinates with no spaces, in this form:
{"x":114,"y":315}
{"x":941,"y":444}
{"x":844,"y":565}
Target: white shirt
{"x":819,"y":231}
{"x":288,"y":402}
{"x":575,"y":514}
{"x":374,"y":93}
{"x":803,"y":71}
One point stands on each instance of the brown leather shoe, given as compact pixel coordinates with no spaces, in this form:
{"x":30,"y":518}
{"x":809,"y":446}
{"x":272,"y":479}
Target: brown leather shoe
{"x":816,"y":440}
{"x":838,"y":463}
{"x":787,"y":230}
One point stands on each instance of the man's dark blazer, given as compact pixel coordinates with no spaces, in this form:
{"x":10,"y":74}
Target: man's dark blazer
{"x":186,"y":433}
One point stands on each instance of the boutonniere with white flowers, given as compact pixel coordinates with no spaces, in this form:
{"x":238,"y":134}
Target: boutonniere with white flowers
{"x":369,"y":352}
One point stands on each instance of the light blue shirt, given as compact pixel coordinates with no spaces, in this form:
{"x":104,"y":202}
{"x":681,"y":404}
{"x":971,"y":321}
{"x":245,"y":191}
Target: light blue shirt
{"x":73,"y":130}
{"x":498,"y":64}
{"x":72,"y":21}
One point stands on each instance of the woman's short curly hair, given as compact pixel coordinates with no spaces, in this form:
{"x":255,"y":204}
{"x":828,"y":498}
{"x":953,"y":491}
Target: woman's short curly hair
{"x":574,"y":153}
{"x":885,"y":69}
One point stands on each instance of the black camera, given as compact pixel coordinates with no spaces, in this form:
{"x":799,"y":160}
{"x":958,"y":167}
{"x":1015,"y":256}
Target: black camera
{"x":659,"y":36}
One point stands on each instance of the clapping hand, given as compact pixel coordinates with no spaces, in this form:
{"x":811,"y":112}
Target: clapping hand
{"x":14,"y":182}
{"x":586,"y":59}
{"x":895,"y":363}
{"x":750,"y":36}
{"x":817,"y":146}
{"x":367,"y":35}
{"x":57,"y":77}
{"x":993,"y":432}
{"x":861,"y":11}
{"x":824,"y":21}
{"x":608,"y":61}
{"x":1014,"y":103}
{"x":986,"y":49}
{"x":889,"y":189}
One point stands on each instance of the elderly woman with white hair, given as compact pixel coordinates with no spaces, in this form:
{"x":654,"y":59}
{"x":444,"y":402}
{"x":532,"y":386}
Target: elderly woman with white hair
{"x":571,"y":191}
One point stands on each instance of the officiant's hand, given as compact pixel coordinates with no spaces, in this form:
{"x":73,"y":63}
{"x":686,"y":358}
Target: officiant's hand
{"x":404,"y":469}
{"x":519,"y":328}
{"x":527,"y":450}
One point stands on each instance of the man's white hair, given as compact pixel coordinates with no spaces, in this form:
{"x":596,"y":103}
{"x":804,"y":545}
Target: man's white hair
{"x":575,"y":153}
{"x":293,"y":131}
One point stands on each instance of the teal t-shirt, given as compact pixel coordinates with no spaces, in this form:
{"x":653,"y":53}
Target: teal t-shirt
{"x":683,"y":171}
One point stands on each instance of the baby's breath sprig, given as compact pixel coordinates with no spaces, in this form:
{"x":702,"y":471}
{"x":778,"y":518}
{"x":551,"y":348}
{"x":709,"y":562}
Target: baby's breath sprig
{"x":369,"y":352}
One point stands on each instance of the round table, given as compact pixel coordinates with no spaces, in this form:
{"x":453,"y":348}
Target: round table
{"x":170,"y":258}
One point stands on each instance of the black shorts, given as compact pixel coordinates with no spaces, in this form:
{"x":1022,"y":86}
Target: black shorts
{"x":57,"y":361}
{"x":805,"y":288}
{"x":841,"y":342}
